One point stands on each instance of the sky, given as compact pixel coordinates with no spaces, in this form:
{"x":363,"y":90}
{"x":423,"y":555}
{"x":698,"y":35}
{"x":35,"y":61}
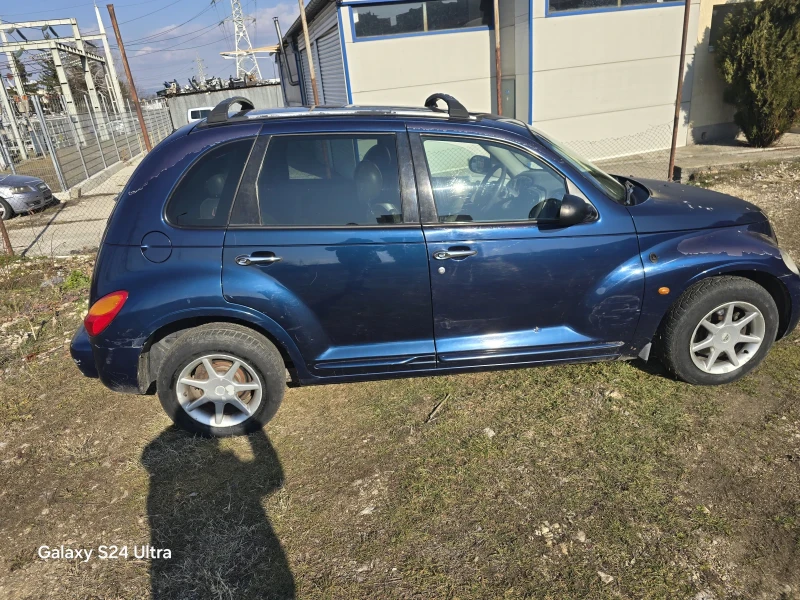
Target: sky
{"x":162,"y":38}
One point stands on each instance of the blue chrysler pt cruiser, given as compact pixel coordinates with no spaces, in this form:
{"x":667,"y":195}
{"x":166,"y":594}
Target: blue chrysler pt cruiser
{"x":345,"y":244}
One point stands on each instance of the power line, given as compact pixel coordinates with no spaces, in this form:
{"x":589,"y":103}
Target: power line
{"x":50,"y":10}
{"x":175,"y":37}
{"x":151,"y":13}
{"x":222,"y":39}
{"x":147,"y":37}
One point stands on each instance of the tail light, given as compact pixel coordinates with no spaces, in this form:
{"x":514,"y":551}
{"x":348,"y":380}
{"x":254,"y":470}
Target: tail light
{"x":103,"y":312}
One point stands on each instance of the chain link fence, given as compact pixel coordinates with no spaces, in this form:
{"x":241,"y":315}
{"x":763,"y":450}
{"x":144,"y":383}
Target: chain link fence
{"x":644,"y":154}
{"x":84,"y":160}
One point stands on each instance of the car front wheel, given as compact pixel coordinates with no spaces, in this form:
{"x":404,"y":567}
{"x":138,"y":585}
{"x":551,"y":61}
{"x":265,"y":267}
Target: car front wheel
{"x":719,"y":330}
{"x":6,"y":212}
{"x":221,"y":379}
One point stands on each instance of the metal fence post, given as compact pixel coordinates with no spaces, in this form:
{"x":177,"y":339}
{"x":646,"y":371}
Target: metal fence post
{"x":97,"y":137}
{"x":7,"y":154}
{"x":138,"y":138}
{"x":111,"y":125}
{"x":49,"y":143}
{"x":78,"y":145}
{"x":127,"y":135}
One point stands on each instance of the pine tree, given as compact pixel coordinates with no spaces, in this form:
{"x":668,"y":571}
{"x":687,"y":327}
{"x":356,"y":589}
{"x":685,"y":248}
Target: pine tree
{"x":28,"y":86}
{"x":758,"y":54}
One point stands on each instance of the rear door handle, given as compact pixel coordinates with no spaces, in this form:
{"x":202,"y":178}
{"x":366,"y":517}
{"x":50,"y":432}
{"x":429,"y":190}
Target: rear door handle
{"x":246,"y":260}
{"x":448,"y":254}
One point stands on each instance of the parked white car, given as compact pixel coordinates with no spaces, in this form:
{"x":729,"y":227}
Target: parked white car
{"x":199,"y":113}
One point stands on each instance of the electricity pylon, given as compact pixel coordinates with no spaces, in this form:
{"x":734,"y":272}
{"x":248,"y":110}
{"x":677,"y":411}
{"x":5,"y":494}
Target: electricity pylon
{"x":201,"y":72}
{"x":246,"y":63}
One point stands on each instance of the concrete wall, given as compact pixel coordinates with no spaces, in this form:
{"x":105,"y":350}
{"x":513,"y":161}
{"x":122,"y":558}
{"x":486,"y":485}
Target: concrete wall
{"x":406,"y":70}
{"x":262,"y":96}
{"x":711,"y":118}
{"x":611,"y":76}
{"x":603,"y":80}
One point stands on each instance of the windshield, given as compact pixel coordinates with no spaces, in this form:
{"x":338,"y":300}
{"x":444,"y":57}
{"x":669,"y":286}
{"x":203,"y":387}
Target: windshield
{"x":605,"y":182}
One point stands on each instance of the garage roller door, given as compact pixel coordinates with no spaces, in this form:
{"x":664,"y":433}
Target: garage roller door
{"x":331,"y":68}
{"x":307,"y":78}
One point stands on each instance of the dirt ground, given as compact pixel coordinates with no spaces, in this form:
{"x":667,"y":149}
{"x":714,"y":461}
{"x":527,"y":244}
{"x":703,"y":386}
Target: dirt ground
{"x":590,"y":481}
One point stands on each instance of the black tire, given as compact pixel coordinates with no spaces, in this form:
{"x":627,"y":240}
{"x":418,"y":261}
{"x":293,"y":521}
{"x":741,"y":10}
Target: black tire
{"x":6,"y":212}
{"x":693,"y":305}
{"x":235,"y":340}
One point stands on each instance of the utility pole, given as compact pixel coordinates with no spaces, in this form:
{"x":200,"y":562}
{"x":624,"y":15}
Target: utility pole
{"x":246,"y":63}
{"x":679,"y":95}
{"x":497,"y":69}
{"x":112,"y":70}
{"x":308,"y":52}
{"x":131,"y":86}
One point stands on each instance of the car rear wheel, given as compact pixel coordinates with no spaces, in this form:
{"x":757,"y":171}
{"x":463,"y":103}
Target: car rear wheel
{"x":719,"y":330}
{"x":221,"y":379}
{"x":6,"y":212}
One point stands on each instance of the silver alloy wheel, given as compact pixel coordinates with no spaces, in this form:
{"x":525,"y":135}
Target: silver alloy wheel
{"x":727,"y":338}
{"x":219,"y":390}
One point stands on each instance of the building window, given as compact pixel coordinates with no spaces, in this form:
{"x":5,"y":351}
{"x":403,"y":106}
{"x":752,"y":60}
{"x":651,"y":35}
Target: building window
{"x":420,"y":17}
{"x":585,"y":5}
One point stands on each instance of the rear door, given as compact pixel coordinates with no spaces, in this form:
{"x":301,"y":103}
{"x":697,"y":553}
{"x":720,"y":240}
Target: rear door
{"x":324,"y":239}
{"x":508,"y":284}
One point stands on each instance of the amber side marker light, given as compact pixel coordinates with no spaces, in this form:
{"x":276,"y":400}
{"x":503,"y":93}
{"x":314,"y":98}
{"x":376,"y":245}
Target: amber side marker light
{"x":663,"y":291}
{"x":103,"y":312}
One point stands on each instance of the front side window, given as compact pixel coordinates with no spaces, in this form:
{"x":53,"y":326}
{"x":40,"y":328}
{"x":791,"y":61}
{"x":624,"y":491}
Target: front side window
{"x":572,"y":5}
{"x":485,"y":182}
{"x":420,"y":17}
{"x":601,"y":180}
{"x":204,"y":195}
{"x":330,"y":180}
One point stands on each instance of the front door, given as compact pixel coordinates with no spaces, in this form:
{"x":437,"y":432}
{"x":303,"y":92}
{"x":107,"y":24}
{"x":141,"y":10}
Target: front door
{"x":325,"y":240}
{"x":508,"y":284}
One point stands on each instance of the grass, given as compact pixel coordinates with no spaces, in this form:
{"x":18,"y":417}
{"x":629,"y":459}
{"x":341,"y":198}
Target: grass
{"x":524,"y":484}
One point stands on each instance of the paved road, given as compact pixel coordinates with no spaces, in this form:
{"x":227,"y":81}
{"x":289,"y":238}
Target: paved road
{"x":72,"y":226}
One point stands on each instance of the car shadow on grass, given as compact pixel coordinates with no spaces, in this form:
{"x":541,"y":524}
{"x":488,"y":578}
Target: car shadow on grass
{"x":205,"y":504}
{"x":653,"y":366}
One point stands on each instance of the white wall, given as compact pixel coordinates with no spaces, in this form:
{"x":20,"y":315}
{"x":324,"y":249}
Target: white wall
{"x":406,"y":70}
{"x":711,"y":117}
{"x":611,"y":76}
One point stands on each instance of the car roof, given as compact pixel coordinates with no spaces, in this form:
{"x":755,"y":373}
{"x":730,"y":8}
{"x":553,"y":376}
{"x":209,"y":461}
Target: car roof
{"x":365,"y":111}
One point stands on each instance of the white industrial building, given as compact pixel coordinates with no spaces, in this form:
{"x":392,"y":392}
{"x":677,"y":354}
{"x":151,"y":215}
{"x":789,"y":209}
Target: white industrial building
{"x":601,"y":74}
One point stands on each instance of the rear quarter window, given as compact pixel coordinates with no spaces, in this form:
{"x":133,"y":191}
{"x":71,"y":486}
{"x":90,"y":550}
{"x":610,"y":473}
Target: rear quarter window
{"x":204,"y":194}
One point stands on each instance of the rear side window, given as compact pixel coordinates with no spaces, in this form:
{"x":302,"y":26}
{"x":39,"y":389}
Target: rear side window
{"x":204,"y":195}
{"x":330,"y":180}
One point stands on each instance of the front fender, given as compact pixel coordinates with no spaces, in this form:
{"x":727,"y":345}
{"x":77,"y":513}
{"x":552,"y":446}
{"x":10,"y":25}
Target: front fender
{"x":678,"y":260}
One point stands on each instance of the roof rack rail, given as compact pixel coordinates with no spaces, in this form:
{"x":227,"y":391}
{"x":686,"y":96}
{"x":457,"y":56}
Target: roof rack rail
{"x":454,"y":108}
{"x":220,"y":112}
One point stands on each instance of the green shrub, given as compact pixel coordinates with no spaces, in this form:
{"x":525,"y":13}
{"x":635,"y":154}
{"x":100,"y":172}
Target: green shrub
{"x":77,"y":280}
{"x":758,"y":54}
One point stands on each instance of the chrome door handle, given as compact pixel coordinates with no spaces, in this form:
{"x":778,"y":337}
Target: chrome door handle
{"x":447,"y":254}
{"x":245,"y":260}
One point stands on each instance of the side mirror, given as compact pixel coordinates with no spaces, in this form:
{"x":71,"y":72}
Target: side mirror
{"x":573,"y":210}
{"x":480,"y":164}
